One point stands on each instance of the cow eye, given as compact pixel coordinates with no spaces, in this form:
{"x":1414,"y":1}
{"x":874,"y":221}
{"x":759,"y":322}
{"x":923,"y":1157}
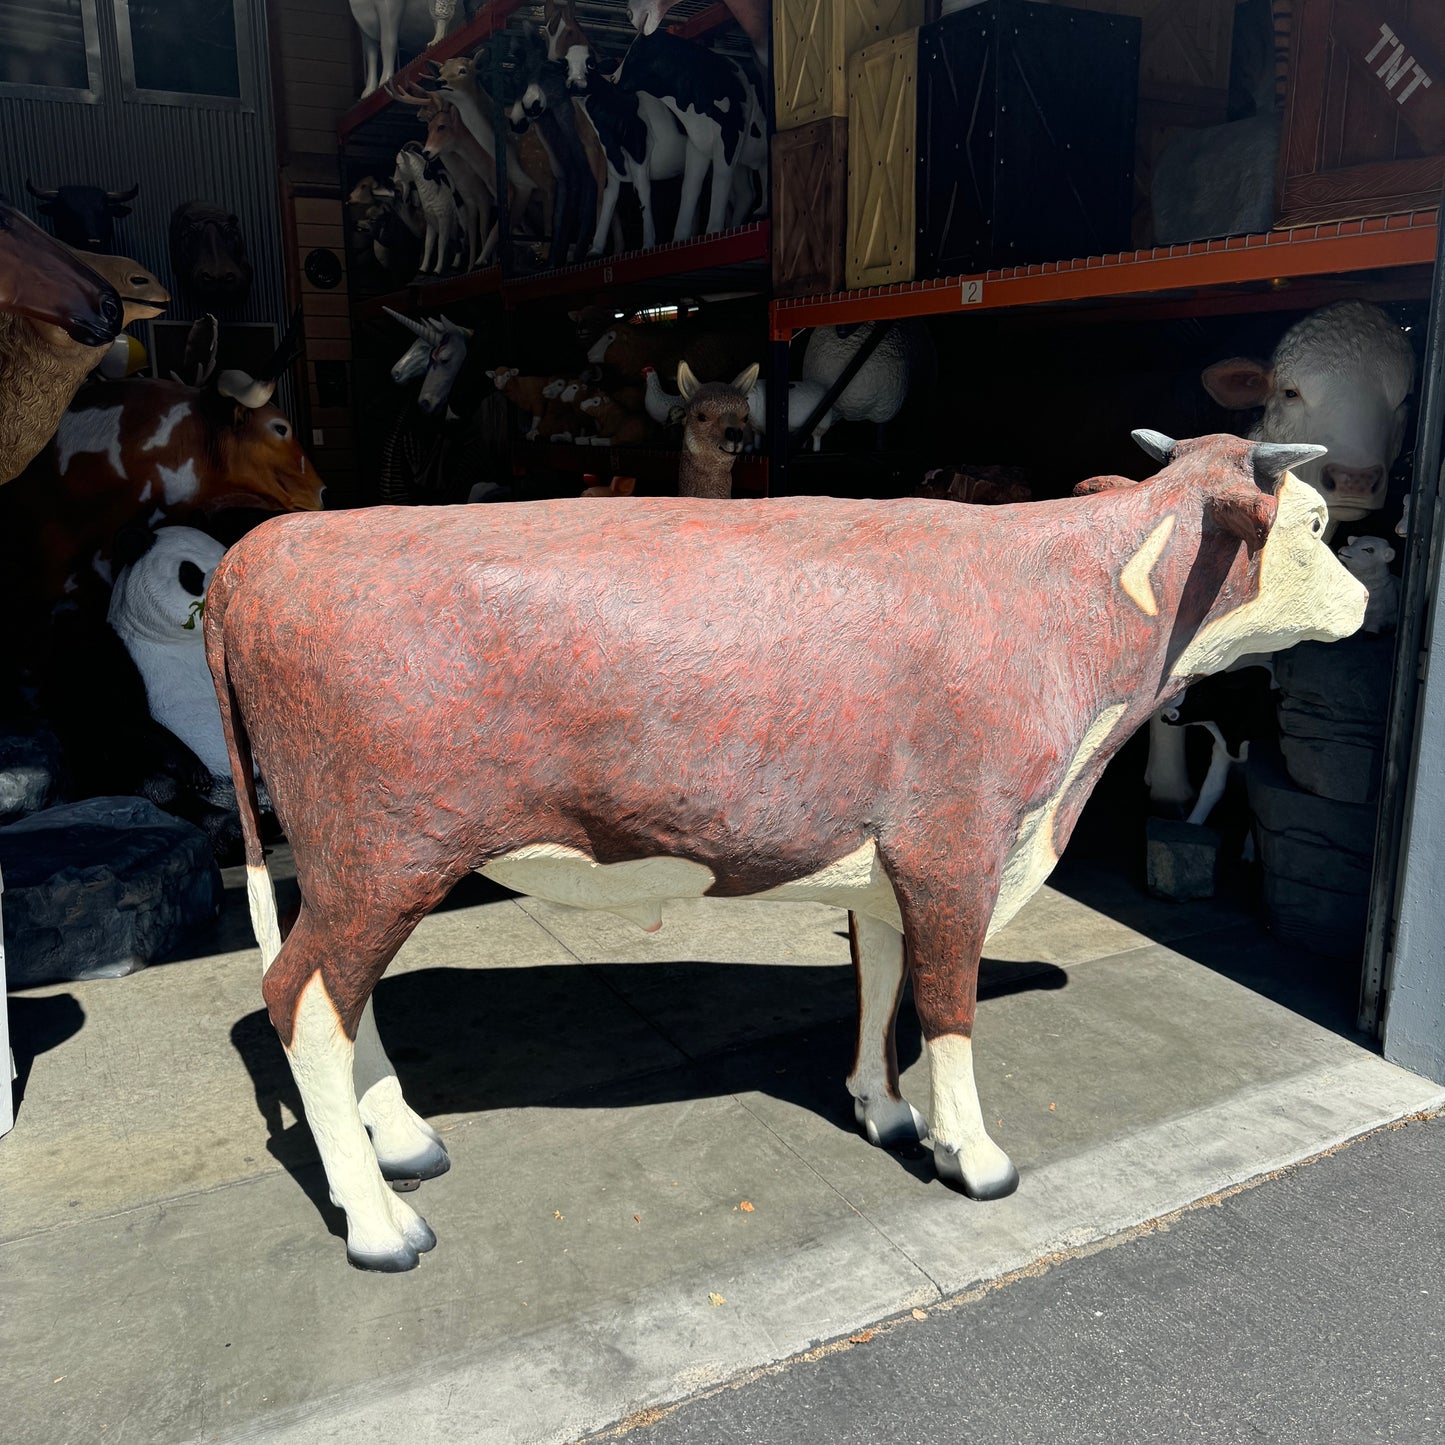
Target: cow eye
{"x":1316,"y":526}
{"x":281,"y":429}
{"x":1290,"y":394}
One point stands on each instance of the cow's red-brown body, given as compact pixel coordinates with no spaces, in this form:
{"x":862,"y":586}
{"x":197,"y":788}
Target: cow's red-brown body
{"x":762,"y":692}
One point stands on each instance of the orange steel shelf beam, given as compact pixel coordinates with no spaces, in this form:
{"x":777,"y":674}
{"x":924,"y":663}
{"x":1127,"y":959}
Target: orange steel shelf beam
{"x":1376,"y":243}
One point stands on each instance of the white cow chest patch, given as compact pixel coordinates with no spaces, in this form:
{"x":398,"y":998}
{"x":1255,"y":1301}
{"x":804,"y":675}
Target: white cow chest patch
{"x":636,"y":890}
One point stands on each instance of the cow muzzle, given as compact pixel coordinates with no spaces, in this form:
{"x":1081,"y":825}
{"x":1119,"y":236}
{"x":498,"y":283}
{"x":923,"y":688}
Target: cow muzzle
{"x":1362,"y":482}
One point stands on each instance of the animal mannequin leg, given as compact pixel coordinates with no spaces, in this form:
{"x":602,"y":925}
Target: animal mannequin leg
{"x":945,"y":930}
{"x":604,"y":213}
{"x":406,"y":1146}
{"x":1166,"y":774}
{"x":389,"y":17}
{"x":1215,"y":779}
{"x":371,"y":52}
{"x":884,"y":1116}
{"x":722,"y":188}
{"x":694,"y":171}
{"x":641,"y":179}
{"x":382,"y":1231}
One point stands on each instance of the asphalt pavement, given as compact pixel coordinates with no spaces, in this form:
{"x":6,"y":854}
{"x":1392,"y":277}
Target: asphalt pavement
{"x":1307,"y":1308}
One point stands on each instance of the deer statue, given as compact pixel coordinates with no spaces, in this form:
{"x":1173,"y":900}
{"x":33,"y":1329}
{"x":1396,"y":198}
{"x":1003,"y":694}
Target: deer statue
{"x":713,"y":431}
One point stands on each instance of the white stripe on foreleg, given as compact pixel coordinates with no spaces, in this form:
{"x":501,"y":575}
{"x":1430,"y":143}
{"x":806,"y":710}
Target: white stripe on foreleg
{"x":885,"y":1118}
{"x":382,"y":1231}
{"x":406,"y":1146}
{"x":963,"y":1153}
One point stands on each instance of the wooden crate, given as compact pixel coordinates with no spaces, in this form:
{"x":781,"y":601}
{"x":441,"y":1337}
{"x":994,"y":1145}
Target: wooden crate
{"x":882,"y":139}
{"x":810,"y":207}
{"x":1364,"y":121}
{"x":1184,"y":55}
{"x":812,"y":41}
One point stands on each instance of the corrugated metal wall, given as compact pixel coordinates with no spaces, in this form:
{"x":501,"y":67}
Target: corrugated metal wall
{"x":176,"y":153}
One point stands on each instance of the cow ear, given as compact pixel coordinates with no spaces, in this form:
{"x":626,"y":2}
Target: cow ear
{"x":1092,"y":486}
{"x":687,"y":383}
{"x":130,"y":546}
{"x":1246,"y":515}
{"x":1239,"y":383}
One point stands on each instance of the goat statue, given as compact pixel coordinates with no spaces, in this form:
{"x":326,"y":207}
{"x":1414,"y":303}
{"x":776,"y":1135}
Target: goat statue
{"x":713,"y":431}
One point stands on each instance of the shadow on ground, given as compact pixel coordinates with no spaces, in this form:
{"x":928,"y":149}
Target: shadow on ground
{"x":478,"y":1040}
{"x":38,"y":1025}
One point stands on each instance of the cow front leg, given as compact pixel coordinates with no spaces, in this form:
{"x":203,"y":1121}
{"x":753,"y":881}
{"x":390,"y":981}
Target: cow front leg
{"x":406,"y":1146}
{"x":945,"y":936}
{"x":886,"y":1118}
{"x":383,"y":1232}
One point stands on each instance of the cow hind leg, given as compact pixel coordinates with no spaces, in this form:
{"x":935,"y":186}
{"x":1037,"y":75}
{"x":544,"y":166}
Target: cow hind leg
{"x":885,"y":1117}
{"x":383,"y":1232}
{"x":406,"y":1146}
{"x":944,"y":944}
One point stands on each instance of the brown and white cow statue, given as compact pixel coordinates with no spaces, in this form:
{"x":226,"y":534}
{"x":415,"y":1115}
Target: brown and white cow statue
{"x":796,"y":701}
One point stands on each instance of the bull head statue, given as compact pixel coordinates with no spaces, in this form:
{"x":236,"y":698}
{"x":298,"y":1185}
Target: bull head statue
{"x":208,"y":253}
{"x":83,"y":216}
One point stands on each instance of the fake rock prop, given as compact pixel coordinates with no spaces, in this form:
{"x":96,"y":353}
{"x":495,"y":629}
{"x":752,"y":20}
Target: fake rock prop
{"x":475,"y":686}
{"x":101,"y":888}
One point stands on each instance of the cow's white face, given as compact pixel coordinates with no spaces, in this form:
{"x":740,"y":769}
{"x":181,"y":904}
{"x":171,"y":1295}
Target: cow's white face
{"x":1305,"y":594}
{"x":578,"y":60}
{"x":1341,"y":378}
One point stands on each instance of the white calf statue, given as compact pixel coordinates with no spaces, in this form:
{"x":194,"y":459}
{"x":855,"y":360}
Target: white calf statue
{"x":1368,"y":559}
{"x":155,"y":608}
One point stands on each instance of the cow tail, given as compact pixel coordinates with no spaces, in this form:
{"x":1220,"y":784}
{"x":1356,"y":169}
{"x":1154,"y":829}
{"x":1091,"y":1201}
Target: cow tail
{"x":260,"y":891}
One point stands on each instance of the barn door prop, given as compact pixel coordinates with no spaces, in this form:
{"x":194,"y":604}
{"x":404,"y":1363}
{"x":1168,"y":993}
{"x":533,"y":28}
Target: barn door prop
{"x":1364,"y":124}
{"x":1025,"y":147}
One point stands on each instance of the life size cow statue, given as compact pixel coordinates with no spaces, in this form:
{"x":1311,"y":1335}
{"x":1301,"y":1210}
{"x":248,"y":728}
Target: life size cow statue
{"x":802,"y":701}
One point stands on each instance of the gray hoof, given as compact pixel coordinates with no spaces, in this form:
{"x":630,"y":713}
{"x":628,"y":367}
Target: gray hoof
{"x":890,"y":1124}
{"x":426,"y":1165}
{"x":396,"y":1263}
{"x":997,"y":1186}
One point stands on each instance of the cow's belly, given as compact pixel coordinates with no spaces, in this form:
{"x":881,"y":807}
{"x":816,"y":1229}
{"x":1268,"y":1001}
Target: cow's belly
{"x":637,"y":889}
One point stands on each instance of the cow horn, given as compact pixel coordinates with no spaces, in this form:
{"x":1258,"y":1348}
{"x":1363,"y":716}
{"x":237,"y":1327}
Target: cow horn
{"x":1159,"y":446}
{"x":240,"y":387}
{"x":427,"y":330}
{"x":38,"y":193}
{"x":129,"y":195}
{"x":1273,"y":459}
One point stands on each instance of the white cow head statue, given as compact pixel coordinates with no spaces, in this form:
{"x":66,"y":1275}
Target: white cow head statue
{"x":1341,"y":377}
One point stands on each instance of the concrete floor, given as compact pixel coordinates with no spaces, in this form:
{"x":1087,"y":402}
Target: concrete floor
{"x":170,"y":1269}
